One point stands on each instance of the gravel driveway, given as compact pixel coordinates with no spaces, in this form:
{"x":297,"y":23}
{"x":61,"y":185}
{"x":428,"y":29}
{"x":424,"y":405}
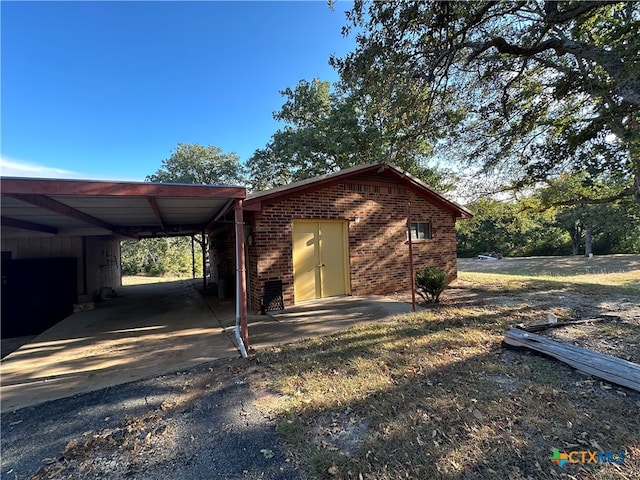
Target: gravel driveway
{"x":199,"y":423}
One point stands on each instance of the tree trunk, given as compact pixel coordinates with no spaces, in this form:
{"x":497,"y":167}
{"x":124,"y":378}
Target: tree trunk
{"x":588,"y":230}
{"x":575,"y":233}
{"x":634,"y":149}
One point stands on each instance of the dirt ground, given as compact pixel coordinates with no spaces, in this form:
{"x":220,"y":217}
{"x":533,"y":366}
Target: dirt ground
{"x":553,"y":266}
{"x":195,"y":423}
{"x":429,"y":396}
{"x":568,"y":287}
{"x":588,"y":296}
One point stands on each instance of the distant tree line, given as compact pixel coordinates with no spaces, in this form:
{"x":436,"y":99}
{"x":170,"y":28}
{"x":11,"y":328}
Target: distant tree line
{"x":513,"y":228}
{"x":171,"y":256}
{"x":553,"y":219}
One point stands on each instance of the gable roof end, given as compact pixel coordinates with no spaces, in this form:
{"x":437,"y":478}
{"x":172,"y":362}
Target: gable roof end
{"x":254,"y":201}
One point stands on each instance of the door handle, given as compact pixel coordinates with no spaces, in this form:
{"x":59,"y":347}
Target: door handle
{"x":320,"y":265}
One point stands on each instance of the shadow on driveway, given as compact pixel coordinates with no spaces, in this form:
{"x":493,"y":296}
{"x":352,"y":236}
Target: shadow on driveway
{"x":311,"y":319}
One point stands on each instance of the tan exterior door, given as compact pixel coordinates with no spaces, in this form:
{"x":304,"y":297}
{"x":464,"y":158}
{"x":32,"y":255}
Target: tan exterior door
{"x":320,"y":261}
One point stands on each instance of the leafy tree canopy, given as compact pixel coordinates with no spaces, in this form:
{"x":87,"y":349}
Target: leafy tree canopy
{"x":530,"y":88}
{"x":327,"y":131}
{"x":511,"y":228}
{"x":582,"y":188}
{"x":592,"y":205}
{"x":193,"y":163}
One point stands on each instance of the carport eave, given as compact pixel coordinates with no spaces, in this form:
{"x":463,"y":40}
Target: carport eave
{"x":37,"y":186}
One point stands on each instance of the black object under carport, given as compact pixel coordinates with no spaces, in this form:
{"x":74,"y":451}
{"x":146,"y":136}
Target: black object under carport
{"x":36,"y":294}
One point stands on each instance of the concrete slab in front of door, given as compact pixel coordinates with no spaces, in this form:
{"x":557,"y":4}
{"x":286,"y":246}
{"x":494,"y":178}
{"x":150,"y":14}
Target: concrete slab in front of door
{"x":321,"y":317}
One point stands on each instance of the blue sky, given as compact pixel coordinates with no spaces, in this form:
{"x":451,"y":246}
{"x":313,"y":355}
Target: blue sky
{"x":108,"y":89}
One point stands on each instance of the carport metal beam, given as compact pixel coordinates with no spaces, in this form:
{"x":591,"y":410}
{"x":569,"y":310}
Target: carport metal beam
{"x":203,"y":243}
{"x":153,"y":203}
{"x":60,"y":208}
{"x":24,"y":225}
{"x":221,"y":213}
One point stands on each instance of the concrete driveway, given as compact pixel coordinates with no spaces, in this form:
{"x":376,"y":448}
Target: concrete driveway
{"x":149,"y":330}
{"x":160,"y":328}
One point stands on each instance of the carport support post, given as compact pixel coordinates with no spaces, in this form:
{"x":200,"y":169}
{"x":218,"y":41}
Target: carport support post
{"x":241,"y":283}
{"x":193,"y":256}
{"x":204,"y":260}
{"x":413,"y":276}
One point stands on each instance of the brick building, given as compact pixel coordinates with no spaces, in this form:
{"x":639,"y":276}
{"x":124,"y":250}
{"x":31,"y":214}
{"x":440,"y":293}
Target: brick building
{"x":344,"y":233}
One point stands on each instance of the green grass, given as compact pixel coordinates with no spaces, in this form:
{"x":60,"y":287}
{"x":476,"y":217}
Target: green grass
{"x":435,"y":395}
{"x":627,"y":280}
{"x":146,"y":279}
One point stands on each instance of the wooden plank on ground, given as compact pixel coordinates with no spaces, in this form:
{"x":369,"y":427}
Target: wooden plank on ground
{"x":612,"y":369}
{"x":536,"y":327}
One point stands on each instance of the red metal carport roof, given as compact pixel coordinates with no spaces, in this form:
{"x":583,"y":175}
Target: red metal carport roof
{"x":32,"y":207}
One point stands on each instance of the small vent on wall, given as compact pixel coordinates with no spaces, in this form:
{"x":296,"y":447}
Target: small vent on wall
{"x":357,"y":187}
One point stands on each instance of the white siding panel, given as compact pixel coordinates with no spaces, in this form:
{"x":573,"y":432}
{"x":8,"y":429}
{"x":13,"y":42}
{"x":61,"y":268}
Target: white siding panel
{"x":103,"y":264}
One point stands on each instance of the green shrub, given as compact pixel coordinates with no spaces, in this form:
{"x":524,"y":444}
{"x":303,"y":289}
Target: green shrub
{"x":431,"y":283}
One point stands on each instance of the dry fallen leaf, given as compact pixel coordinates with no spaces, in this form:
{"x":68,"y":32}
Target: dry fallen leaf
{"x":267,"y":453}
